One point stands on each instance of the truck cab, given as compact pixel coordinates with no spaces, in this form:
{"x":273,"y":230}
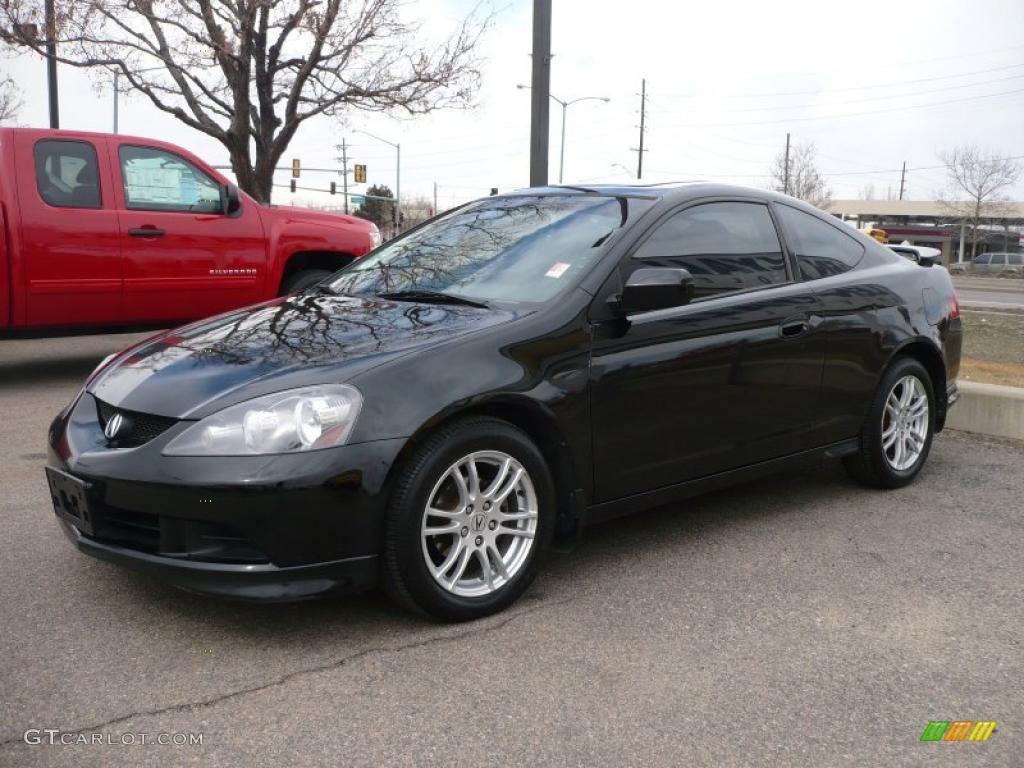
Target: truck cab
{"x":105,"y":231}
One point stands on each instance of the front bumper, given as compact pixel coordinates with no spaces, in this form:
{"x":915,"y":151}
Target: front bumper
{"x":278,"y":527}
{"x":262,"y":582}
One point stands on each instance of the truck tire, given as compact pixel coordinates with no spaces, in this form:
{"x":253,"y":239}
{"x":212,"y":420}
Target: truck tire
{"x":302,"y":280}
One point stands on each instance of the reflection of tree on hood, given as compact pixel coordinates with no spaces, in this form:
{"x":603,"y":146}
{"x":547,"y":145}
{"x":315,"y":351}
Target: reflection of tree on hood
{"x":303,"y":329}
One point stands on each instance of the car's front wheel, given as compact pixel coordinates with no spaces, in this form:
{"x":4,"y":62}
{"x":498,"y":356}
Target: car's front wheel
{"x":470,"y":518}
{"x":897,"y":434}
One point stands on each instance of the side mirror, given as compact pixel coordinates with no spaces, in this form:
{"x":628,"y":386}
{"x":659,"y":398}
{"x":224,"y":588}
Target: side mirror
{"x":232,"y":200}
{"x":651,"y":288}
{"x":925,"y":259}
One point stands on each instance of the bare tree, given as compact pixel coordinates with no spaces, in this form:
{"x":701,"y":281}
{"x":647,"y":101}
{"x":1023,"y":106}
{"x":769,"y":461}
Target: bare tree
{"x":10,"y":100}
{"x":867,"y":192}
{"x":249,"y":73}
{"x":983,"y":177}
{"x":804,"y":179}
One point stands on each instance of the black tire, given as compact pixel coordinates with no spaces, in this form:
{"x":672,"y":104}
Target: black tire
{"x":299,"y":281}
{"x":406,"y":577}
{"x":870,"y":465}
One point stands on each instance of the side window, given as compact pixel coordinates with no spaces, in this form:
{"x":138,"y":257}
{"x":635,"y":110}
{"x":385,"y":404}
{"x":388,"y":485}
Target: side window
{"x":982,"y":259}
{"x":725,"y":246}
{"x":155,"y":180}
{"x":820,"y":249}
{"x":998,"y":259}
{"x":1016,"y":259}
{"x":67,"y":174}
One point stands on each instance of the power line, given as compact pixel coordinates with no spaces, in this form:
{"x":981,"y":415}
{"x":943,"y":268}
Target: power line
{"x":905,"y":108}
{"x":853,"y":87}
{"x":861,"y":101}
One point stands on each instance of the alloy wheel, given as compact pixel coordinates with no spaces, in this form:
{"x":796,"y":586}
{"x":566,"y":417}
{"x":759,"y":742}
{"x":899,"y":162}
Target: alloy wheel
{"x":905,"y":423}
{"x":479,"y":523}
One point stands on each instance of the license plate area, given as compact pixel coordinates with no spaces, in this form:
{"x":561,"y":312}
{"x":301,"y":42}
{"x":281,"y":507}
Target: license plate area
{"x":70,"y":498}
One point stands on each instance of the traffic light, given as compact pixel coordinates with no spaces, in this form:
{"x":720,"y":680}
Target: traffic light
{"x":292,"y":184}
{"x":360,"y":174}
{"x":334,"y":188}
{"x":296,"y":170}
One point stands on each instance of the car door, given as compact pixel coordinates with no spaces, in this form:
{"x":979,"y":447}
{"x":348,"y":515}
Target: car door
{"x":70,"y":248}
{"x":184,"y":257}
{"x":730,"y":379}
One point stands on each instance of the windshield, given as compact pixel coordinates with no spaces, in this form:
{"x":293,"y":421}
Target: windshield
{"x":515,"y":249}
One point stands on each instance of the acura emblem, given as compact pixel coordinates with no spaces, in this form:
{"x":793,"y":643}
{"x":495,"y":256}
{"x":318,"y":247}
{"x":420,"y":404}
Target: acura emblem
{"x":113,"y":426}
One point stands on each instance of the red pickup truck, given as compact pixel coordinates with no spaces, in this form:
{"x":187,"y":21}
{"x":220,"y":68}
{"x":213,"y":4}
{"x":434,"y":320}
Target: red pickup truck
{"x":101,"y":231}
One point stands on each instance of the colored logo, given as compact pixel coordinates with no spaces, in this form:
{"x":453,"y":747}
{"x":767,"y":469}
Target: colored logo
{"x":958,"y":730}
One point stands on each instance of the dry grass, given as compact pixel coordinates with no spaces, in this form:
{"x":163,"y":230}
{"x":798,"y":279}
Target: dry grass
{"x":1008,"y":374}
{"x":993,"y":349}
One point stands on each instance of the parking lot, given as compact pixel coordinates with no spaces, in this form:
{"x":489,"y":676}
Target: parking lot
{"x":799,"y":620}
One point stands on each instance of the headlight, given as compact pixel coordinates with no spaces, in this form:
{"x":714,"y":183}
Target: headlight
{"x":374,"y":237}
{"x":306,"y":419}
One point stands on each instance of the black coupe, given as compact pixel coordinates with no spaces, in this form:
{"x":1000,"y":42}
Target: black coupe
{"x":434,"y":415}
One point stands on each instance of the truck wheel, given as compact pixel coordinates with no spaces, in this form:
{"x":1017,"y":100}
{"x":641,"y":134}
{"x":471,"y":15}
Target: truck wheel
{"x":897,"y":435}
{"x":469,"y":522}
{"x":302,"y":280}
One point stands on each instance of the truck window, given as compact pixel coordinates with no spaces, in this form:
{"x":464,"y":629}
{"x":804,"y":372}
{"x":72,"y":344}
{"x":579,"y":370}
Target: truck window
{"x":155,"y":180}
{"x":67,"y":174}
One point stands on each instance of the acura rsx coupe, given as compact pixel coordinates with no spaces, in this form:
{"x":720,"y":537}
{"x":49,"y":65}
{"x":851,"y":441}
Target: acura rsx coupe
{"x":435,"y":415}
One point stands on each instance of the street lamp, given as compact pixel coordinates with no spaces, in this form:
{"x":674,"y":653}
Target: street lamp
{"x":117,"y":76}
{"x":398,"y":173}
{"x":565,"y":106}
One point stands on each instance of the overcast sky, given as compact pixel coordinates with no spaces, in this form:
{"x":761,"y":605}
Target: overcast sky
{"x":872,"y":84}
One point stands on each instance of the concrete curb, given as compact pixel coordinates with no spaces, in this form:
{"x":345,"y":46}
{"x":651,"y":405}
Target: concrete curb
{"x":988,"y":409}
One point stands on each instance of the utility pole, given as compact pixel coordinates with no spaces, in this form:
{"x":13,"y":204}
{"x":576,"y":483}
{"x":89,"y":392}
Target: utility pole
{"x":903,"y":179}
{"x":540,"y":91}
{"x":643,"y":127}
{"x":344,"y":170}
{"x":51,"y":62}
{"x":117,"y":76}
{"x":785,"y":173}
{"x":435,"y":198}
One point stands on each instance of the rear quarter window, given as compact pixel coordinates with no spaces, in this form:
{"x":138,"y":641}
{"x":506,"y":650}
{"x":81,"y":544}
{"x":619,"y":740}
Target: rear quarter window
{"x":821,"y":249}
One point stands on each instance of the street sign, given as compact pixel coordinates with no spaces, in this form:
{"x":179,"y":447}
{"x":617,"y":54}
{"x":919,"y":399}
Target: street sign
{"x":360,"y":174}
{"x":295,"y":168}
{"x":357,"y":199}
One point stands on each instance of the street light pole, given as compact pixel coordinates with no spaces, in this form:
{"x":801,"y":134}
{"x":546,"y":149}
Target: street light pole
{"x":51,"y":62}
{"x":565,"y":107}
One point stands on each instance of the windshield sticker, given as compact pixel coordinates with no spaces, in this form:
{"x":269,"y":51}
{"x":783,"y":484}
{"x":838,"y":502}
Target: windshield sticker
{"x":557,"y":269}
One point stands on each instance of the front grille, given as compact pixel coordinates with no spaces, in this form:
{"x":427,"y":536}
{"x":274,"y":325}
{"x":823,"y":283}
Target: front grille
{"x":138,"y":429}
{"x":200,"y":540}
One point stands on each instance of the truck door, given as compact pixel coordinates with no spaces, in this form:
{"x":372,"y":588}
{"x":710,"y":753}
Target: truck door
{"x":70,"y":253}
{"x":184,"y":258}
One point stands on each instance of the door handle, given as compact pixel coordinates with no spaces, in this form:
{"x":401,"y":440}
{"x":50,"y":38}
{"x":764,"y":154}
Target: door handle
{"x":146,"y":232}
{"x":791,"y":328}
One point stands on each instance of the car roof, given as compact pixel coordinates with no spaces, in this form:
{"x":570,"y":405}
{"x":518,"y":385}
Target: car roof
{"x":673,"y":191}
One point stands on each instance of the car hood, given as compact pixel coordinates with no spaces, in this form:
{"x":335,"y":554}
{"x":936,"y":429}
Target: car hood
{"x":290,"y":342}
{"x":294,"y":214}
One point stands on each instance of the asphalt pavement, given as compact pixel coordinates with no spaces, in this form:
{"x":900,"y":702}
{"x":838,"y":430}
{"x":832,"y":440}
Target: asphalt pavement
{"x":997,"y":292}
{"x":796,"y":621}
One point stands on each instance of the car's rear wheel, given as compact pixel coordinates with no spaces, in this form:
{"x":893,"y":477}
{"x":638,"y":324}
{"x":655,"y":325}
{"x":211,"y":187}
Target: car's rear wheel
{"x":469,"y":521}
{"x":897,"y":434}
